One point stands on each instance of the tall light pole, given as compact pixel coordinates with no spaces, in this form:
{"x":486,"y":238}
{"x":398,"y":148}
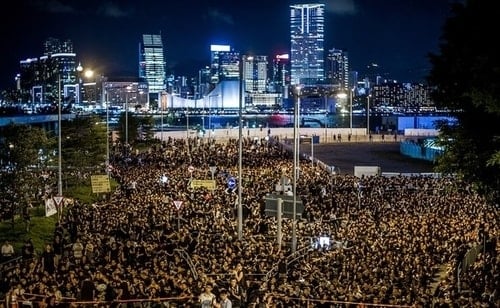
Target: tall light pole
{"x":296,"y":150}
{"x":350,"y":110}
{"x":126,"y":114}
{"x":240,"y":155}
{"x":187,"y":124}
{"x":312,"y":151}
{"x":368,"y":114}
{"x":203,"y":115}
{"x":59,"y":143}
{"x":79,"y":70}
{"x":105,"y":100}
{"x":326,"y":118}
{"x":160,"y":101}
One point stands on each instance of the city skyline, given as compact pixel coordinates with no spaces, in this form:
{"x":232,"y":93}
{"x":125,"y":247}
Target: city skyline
{"x":396,"y":35}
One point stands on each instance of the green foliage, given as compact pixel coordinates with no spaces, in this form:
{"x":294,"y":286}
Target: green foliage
{"x":29,"y":150}
{"x":83,"y":143}
{"x":23,"y":149}
{"x":25,"y":145}
{"x":464,"y":74}
{"x":128,"y":125}
{"x":41,"y":230}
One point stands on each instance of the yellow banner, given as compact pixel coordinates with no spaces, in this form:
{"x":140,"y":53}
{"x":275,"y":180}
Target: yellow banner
{"x":100,"y":183}
{"x":208,"y":184}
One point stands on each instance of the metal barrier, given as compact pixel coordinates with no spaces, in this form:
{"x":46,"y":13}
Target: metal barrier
{"x":41,"y":301}
{"x":187,"y":301}
{"x":311,"y":302}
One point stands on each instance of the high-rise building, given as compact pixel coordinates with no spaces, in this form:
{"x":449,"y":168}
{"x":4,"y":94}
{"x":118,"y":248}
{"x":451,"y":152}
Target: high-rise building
{"x":152,"y":63}
{"x":280,"y":76}
{"x":224,"y":64}
{"x":307,"y":40}
{"x":338,"y":68}
{"x":255,"y":73}
{"x":41,"y":78}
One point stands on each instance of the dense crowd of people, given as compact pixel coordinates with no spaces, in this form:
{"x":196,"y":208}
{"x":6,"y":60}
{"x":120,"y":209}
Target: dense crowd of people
{"x":384,"y":239}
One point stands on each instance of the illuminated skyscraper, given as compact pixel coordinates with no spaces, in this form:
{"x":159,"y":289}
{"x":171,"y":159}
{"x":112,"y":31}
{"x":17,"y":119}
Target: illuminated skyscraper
{"x":338,"y":68}
{"x":41,"y":77}
{"x":224,"y":64}
{"x":255,"y":73}
{"x":152,"y":63}
{"x":280,"y":75}
{"x":307,"y":40}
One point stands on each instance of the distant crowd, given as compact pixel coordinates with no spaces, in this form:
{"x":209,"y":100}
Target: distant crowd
{"x":159,"y":241}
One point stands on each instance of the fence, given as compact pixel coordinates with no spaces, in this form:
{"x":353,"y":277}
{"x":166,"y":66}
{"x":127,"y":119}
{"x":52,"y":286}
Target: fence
{"x":187,"y":301}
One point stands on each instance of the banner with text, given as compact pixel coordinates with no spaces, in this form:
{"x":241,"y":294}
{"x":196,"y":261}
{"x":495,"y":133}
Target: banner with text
{"x":208,"y":184}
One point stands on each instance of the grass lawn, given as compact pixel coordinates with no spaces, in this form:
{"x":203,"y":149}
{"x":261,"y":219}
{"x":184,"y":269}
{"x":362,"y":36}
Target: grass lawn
{"x":40,"y":231}
{"x":41,"y":228}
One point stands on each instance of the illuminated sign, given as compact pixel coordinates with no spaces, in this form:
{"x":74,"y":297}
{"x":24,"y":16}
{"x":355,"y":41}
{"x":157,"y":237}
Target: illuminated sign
{"x":208,"y":184}
{"x":100,"y":183}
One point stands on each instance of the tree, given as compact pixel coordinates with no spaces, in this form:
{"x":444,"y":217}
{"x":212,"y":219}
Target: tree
{"x":465,"y":74}
{"x":132,"y":122}
{"x":83,"y":143}
{"x":24,"y":145}
{"x":24,"y":148}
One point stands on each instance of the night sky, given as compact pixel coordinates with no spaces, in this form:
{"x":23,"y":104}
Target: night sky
{"x":395,"y":34}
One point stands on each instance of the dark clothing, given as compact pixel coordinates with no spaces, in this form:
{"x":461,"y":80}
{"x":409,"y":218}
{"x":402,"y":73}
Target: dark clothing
{"x":28,"y":250}
{"x":87,"y":291}
{"x":48,"y":261}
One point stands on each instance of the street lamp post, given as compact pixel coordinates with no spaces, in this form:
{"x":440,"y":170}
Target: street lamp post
{"x":105,"y":99}
{"x":368,"y":114}
{"x":79,"y":70}
{"x":296,"y":150}
{"x":126,"y":114}
{"x":203,"y":119}
{"x":312,"y":151}
{"x":209,"y":118}
{"x":326,"y":118}
{"x":160,"y":101}
{"x":59,"y":143}
{"x":240,"y":153}
{"x":350,"y":110}
{"x":187,"y":123}
{"x":126,"y":117}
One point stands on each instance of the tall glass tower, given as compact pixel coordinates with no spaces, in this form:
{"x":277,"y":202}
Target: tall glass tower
{"x":307,"y":40}
{"x":152,"y":63}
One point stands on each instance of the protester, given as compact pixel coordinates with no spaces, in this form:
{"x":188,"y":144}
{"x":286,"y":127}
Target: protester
{"x":387,"y":240}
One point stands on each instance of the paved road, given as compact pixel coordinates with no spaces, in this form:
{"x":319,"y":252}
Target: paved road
{"x":346,"y":155}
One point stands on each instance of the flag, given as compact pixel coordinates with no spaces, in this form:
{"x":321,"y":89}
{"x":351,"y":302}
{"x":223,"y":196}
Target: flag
{"x":50,"y":207}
